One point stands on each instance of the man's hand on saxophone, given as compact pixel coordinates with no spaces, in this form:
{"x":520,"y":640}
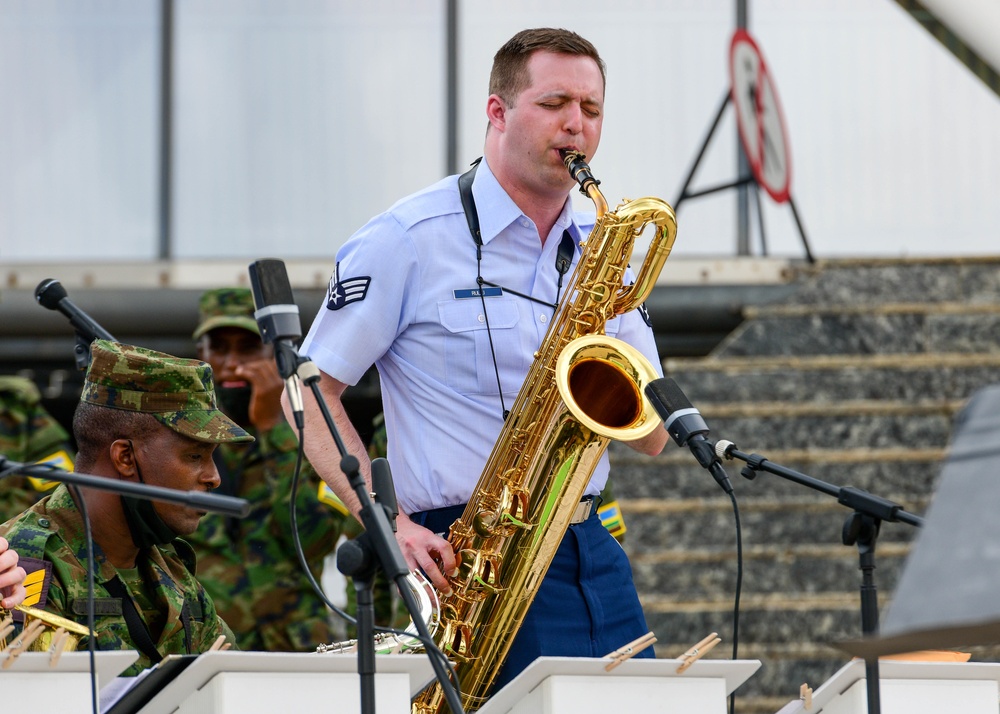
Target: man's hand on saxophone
{"x":426,"y":551}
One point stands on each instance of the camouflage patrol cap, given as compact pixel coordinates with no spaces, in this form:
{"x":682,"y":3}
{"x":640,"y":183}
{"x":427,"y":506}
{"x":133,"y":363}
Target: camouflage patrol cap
{"x":226,"y":307}
{"x":177,"y":392}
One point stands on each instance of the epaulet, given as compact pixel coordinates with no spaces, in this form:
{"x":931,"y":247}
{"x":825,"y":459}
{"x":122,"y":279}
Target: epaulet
{"x":20,"y":387}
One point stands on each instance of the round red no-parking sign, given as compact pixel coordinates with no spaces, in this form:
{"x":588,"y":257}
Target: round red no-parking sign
{"x":758,"y":117}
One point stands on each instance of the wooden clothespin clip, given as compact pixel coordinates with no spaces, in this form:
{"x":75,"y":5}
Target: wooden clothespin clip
{"x":806,"y":695}
{"x":220,"y":644}
{"x":31,"y":632}
{"x":698,"y":651}
{"x":6,"y":627}
{"x":58,"y":646}
{"x":628,"y":651}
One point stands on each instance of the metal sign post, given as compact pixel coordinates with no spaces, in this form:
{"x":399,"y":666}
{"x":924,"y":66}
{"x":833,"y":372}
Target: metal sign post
{"x":763,"y":137}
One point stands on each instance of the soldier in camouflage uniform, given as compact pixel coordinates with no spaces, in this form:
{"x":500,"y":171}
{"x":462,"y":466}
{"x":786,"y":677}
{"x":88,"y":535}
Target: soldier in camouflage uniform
{"x":28,"y":433}
{"x":143,"y":417}
{"x":250,"y":566}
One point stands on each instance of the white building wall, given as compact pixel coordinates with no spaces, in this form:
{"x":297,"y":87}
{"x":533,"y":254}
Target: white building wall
{"x":296,"y":120}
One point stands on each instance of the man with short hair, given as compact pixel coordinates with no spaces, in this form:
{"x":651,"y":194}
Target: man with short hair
{"x":144,"y":417}
{"x":250,"y":566}
{"x":452,"y":322}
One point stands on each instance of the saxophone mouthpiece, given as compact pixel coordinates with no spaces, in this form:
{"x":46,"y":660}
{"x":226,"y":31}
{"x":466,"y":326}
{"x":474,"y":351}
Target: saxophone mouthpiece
{"x":576,"y":164}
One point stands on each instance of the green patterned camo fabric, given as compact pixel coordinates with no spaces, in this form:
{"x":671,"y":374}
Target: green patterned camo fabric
{"x":28,"y":434}
{"x":52,"y":531}
{"x":178,"y":392}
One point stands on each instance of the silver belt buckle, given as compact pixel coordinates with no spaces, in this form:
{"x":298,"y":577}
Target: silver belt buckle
{"x":582,"y":512}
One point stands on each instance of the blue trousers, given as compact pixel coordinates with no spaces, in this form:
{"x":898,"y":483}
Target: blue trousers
{"x":587,"y":605}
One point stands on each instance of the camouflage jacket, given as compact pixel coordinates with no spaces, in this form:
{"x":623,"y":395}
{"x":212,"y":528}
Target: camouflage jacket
{"x":28,"y":433}
{"x":49,"y":537}
{"x":249,"y":566}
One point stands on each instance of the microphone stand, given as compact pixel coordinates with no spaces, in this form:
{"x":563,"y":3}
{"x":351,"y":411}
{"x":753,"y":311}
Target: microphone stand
{"x":860,"y":529}
{"x":227,"y":505}
{"x":376,"y":547}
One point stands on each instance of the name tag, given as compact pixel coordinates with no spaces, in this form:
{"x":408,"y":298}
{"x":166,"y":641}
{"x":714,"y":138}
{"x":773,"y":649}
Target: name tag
{"x":477,"y":292}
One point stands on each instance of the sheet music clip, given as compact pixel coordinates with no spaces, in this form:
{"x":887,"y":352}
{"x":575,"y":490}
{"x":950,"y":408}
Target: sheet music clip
{"x":628,"y":651}
{"x":697,"y":652}
{"x":220,"y":644}
{"x":6,"y":627}
{"x":806,"y":695}
{"x":31,"y":632}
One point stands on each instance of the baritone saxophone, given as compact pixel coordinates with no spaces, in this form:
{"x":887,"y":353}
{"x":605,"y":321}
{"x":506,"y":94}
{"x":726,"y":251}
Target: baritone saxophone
{"x":582,"y":390}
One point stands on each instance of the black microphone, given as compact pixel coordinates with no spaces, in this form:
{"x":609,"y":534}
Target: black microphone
{"x":52,"y":295}
{"x":385,"y":492}
{"x":277,"y":317}
{"x":277,"y":314}
{"x":686,"y":426}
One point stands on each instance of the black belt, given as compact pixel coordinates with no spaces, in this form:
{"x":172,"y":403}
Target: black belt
{"x":439,"y":520}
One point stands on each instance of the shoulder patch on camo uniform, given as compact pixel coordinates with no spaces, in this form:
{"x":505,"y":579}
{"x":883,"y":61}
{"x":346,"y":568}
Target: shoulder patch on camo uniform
{"x":60,"y":459}
{"x":36,"y":584}
{"x":612,"y":518}
{"x":328,"y":496}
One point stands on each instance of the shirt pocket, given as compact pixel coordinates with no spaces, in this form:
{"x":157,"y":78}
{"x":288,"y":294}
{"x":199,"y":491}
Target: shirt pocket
{"x":468,"y":357}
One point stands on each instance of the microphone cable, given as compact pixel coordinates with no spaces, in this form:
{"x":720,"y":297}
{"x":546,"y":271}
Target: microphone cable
{"x":739,"y":590}
{"x":429,"y":644}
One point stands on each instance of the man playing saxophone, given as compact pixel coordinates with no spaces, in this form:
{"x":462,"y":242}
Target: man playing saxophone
{"x":452,"y":325}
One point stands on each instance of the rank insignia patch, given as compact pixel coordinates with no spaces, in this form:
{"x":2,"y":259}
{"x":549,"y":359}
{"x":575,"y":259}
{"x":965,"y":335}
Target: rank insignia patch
{"x":36,"y":583}
{"x":344,"y":292}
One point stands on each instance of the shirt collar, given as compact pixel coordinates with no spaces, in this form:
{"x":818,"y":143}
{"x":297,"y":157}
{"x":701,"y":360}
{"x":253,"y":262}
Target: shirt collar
{"x":497,"y":209}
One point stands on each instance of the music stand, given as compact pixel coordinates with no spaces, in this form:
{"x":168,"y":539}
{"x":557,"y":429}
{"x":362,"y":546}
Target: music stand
{"x":947,"y":594}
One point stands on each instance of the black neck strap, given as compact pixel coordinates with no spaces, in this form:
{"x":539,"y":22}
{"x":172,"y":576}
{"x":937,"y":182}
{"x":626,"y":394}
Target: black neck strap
{"x":469,"y":205}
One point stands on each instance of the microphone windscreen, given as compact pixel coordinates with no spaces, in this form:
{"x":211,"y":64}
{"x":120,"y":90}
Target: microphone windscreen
{"x":269,"y":282}
{"x":382,"y":484}
{"x":666,"y":397}
{"x":49,"y":292}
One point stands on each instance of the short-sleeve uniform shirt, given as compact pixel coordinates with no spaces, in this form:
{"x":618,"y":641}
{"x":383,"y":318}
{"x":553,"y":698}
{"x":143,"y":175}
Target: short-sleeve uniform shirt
{"x":404,"y":296}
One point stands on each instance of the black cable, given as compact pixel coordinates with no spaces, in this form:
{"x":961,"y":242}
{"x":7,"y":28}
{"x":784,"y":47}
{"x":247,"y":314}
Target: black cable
{"x":428,"y":642}
{"x":424,"y":637}
{"x":91,"y":625}
{"x":739,"y":589}
{"x":489,"y":335}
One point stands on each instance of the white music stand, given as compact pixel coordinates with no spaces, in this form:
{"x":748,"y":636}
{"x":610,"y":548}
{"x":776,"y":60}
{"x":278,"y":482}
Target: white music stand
{"x":268,"y":682}
{"x":30,"y":683}
{"x":909,"y":688}
{"x":570,"y":685}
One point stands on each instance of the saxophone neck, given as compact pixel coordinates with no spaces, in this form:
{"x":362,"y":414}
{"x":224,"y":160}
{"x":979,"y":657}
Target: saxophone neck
{"x":578,"y":168}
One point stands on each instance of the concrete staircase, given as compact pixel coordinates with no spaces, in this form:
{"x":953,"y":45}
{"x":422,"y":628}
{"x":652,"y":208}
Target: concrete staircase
{"x":854,"y":380}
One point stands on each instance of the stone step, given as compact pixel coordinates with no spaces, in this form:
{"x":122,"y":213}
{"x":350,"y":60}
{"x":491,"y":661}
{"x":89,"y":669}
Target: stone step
{"x":676,"y":475}
{"x":826,"y":379}
{"x":657,"y":525}
{"x":766,"y":433}
{"x":865,"y":333}
{"x":697,"y":575}
{"x":872,"y":281}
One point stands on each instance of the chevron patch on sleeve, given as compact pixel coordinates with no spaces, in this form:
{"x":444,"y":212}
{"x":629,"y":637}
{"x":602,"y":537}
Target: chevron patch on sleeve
{"x":36,"y":583}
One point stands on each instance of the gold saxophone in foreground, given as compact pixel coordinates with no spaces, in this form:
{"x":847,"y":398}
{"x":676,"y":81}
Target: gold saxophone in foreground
{"x":582,"y":390}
